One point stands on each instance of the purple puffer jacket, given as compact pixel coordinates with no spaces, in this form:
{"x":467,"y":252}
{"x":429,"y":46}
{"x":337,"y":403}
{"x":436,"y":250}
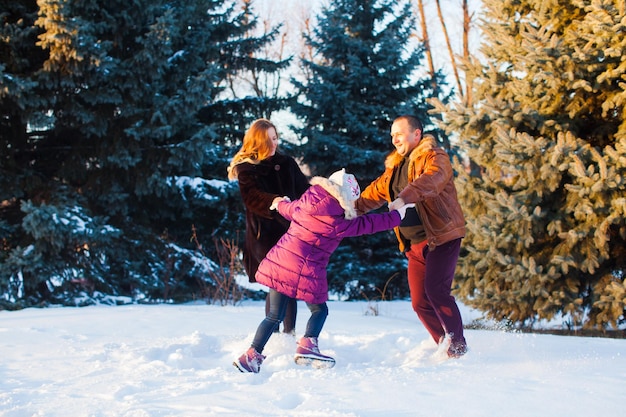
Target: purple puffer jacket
{"x":320,"y":219}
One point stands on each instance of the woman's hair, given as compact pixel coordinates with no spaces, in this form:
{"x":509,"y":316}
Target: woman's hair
{"x":256,"y":146}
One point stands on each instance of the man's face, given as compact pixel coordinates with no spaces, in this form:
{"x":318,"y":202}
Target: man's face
{"x":403,"y":137}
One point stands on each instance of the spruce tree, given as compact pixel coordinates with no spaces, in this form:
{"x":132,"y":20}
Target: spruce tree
{"x":364,"y":72}
{"x":106,"y":139}
{"x":546,"y":204}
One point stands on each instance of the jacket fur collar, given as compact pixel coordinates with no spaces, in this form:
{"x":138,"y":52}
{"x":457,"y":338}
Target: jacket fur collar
{"x":336,"y":191}
{"x":426,"y":144}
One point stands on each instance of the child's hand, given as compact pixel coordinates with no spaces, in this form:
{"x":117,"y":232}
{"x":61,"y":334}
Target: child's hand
{"x":396,"y":204}
{"x":277,"y":200}
{"x":402,"y":209}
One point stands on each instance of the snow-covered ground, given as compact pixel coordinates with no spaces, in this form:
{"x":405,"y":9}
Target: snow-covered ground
{"x":176,"y":360}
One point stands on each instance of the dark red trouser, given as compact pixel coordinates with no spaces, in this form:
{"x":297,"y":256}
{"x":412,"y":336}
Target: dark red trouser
{"x":430,"y":275}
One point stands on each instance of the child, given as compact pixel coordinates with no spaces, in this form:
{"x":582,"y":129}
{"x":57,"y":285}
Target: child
{"x":296,"y":266}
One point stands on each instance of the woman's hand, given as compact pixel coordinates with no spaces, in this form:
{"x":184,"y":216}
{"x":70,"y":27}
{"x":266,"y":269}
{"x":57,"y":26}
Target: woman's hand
{"x":277,"y":200}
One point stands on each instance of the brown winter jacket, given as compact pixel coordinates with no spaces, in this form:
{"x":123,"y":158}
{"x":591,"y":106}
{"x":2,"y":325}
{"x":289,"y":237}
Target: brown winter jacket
{"x":431,"y":188}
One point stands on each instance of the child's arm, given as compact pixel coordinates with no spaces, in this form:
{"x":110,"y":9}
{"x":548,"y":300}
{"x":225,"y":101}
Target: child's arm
{"x":284,"y":211}
{"x":285,"y":207}
{"x":368,"y":224}
{"x":371,"y":223}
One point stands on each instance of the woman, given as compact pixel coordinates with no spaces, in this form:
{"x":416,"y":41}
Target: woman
{"x":264,"y":174}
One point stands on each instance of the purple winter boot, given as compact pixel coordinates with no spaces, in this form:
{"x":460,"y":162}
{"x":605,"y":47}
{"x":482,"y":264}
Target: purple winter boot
{"x":455,"y":348}
{"x":250,"y":361}
{"x":308,"y":354}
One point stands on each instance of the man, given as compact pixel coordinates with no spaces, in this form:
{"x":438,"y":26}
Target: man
{"x":420,"y":172}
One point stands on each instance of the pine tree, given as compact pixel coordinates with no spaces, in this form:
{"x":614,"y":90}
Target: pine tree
{"x":106,"y":138}
{"x":364,"y":72}
{"x":546,"y":206}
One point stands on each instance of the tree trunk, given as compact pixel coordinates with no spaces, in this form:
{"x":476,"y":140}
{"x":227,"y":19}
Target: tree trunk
{"x":450,"y":51}
{"x":467,"y":18}
{"x":426,"y":41}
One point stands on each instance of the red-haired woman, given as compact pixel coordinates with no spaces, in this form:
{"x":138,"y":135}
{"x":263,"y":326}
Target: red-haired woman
{"x":264,"y":173}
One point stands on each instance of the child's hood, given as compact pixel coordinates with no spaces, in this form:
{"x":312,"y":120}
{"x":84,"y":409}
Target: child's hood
{"x":336,"y":191}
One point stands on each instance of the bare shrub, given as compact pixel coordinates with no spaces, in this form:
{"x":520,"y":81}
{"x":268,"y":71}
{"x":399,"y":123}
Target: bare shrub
{"x":225,"y":289}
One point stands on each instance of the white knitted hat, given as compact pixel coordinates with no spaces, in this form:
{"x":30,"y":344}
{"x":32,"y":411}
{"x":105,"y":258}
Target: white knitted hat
{"x":348,"y":184}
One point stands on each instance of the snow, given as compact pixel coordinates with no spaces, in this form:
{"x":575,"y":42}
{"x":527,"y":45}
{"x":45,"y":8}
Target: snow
{"x":198,"y":186}
{"x":176,"y":360}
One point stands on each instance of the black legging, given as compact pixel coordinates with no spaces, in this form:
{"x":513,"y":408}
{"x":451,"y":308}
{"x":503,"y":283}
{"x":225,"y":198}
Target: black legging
{"x":278,"y":306}
{"x":289,"y":322}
